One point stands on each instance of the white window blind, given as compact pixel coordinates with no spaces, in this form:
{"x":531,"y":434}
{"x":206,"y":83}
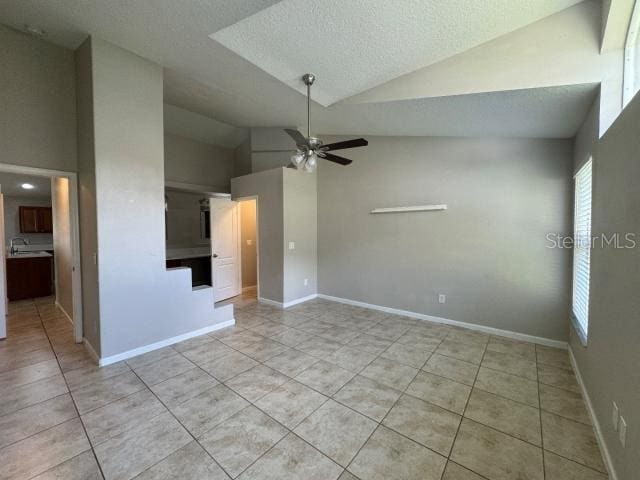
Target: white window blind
{"x":582,"y":250}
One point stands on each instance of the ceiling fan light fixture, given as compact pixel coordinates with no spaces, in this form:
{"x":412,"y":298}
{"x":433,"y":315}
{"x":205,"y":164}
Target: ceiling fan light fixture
{"x":297,"y":159}
{"x":311,"y":163}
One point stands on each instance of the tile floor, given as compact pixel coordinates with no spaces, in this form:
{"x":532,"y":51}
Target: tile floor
{"x":319,"y":391}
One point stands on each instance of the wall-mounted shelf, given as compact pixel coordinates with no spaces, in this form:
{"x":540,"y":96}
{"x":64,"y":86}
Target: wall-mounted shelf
{"x":416,"y":208}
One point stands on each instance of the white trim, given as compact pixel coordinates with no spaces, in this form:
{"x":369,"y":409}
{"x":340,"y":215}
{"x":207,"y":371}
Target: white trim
{"x":608,"y":463}
{"x":163,"y":343}
{"x":417,"y":208}
{"x":64,"y":311}
{"x":291,"y":303}
{"x":471,"y":326}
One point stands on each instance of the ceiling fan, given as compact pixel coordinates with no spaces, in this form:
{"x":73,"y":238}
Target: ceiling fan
{"x":311,"y":148}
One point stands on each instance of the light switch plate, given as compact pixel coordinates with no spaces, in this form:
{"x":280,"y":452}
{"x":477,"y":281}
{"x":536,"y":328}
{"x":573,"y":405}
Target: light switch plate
{"x":292,"y":245}
{"x":442,"y":298}
{"x":249,"y":242}
{"x":615,"y":414}
{"x":622,"y":433}
{"x":306,"y":281}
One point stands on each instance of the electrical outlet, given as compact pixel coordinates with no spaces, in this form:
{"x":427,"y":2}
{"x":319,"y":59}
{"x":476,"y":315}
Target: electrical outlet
{"x":622,"y":431}
{"x":615,"y":414}
{"x":306,"y":281}
{"x":292,"y":245}
{"x":442,"y":298}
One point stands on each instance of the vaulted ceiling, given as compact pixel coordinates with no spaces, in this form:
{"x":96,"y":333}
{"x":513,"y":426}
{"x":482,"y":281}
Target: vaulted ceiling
{"x":407,"y":67}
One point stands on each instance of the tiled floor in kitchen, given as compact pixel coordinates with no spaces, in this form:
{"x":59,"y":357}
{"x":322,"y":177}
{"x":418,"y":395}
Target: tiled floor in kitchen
{"x":319,"y":391}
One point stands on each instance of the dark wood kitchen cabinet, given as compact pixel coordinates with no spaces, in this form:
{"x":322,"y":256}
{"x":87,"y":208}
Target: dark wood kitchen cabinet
{"x":35,"y":220}
{"x":29,"y":277}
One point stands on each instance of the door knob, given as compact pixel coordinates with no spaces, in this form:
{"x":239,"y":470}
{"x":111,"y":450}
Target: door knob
{"x":215,"y":255}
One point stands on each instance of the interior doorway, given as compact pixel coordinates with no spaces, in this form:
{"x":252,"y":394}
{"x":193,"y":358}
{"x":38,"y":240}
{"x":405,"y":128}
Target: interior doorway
{"x":39,"y":242}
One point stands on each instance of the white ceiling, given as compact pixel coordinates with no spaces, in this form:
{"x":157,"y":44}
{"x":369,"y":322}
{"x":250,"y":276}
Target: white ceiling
{"x":204,"y":129}
{"x":10,"y":185}
{"x":354,"y":45}
{"x":351,"y":46}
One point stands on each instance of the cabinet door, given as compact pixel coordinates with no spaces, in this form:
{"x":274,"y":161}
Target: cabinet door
{"x":45,"y":221}
{"x":28,"y":219}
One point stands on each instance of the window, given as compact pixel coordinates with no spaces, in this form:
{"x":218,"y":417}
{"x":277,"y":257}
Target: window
{"x":631,"y":80}
{"x":582,"y":250}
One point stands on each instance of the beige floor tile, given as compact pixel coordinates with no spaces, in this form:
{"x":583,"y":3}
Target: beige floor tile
{"x":80,"y":467}
{"x":507,"y":416}
{"x":241,"y":339}
{"x":163,"y":369}
{"x":453,"y":471}
{"x":292,"y":337}
{"x":325,"y":377}
{"x":564,"y":403}
{"x":336,"y":431}
{"x":183,"y":387}
{"x":257,"y":382}
{"x":84,"y":376}
{"x":25,"y":375}
{"x":263,"y":350}
{"x":452,"y":368}
{"x":292,"y":459}
{"x":421,"y":341}
{"x":571,"y":440}
{"x":347,"y":476}
{"x":133,"y":451}
{"x":390,"y":373}
{"x":192,"y":343}
{"x":509,"y":386}
{"x":269,"y":328}
{"x":389,"y":455}
{"x":558,"y":468}
{"x":407,"y":355}
{"x":440,"y":391}
{"x":240,"y":440}
{"x":319,"y":347}
{"x":133,"y":411}
{"x":512,"y":347}
{"x":350,"y":358}
{"x":13,"y":399}
{"x":36,"y":418}
{"x":190,"y":462}
{"x":291,"y":403}
{"x":464,"y":335}
{"x":315,"y":326}
{"x":339,"y":334}
{"x":555,"y":357}
{"x":291,"y":362}
{"x":208,"y":409}
{"x":425,"y":423}
{"x":370,"y":344}
{"x":558,"y":377}
{"x":387,"y":332}
{"x":150,"y":357}
{"x":467,"y":352}
{"x":496,"y":455}
{"x":368,"y":397}
{"x":207,"y":352}
{"x":105,"y":391}
{"x":512,"y":364}
{"x":22,"y":359}
{"x":229,"y":366}
{"x":45,"y":450}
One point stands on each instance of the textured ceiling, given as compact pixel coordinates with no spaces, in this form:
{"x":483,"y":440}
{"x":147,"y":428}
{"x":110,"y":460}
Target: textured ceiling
{"x":10,"y":185}
{"x":199,"y":127}
{"x":203,"y":76}
{"x":354,"y":45}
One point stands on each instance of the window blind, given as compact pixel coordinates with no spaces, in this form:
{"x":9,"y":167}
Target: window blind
{"x":582,"y":249}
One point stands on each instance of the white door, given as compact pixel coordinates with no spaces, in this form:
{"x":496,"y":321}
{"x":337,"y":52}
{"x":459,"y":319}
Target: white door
{"x":3,"y":274}
{"x":225,"y":261}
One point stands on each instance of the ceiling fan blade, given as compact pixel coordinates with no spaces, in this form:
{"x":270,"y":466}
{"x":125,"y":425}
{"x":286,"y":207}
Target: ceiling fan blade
{"x":335,"y":158}
{"x":356,"y":142}
{"x":297,"y":136}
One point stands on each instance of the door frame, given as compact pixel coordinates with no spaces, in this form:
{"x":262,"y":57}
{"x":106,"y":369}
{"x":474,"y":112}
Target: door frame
{"x":74,"y":221}
{"x":241,"y":199}
{"x":236,"y":206}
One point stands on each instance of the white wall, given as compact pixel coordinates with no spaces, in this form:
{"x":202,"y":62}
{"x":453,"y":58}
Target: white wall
{"x":62,"y":245}
{"x":12,"y":219}
{"x":140,"y":302}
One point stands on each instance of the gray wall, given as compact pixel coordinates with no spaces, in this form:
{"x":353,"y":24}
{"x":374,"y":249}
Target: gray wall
{"x":199,"y":163}
{"x":610,"y":363}
{"x":268,"y":187}
{"x":62,"y":244}
{"x":242,"y":159}
{"x":488,"y":252}
{"x":38,"y":114}
{"x":300,"y":203}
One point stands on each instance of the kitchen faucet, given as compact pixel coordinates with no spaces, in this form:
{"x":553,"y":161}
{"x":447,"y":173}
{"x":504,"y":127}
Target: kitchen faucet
{"x":13,"y":243}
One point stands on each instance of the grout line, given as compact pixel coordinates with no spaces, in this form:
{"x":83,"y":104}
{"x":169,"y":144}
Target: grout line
{"x":544,"y":467}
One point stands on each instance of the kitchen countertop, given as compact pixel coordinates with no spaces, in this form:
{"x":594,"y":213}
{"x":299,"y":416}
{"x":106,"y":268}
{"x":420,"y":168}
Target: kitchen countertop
{"x":28,"y":255}
{"x":189,"y":252}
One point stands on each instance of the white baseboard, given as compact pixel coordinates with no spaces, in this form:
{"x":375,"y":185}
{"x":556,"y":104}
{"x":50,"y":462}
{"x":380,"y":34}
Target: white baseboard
{"x":64,"y":311}
{"x":608,"y":463}
{"x":291,"y":303}
{"x":163,"y":343}
{"x":471,"y":326}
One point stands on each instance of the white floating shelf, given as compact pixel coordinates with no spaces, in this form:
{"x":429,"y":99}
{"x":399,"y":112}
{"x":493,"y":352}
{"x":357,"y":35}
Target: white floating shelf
{"x":416,"y":208}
